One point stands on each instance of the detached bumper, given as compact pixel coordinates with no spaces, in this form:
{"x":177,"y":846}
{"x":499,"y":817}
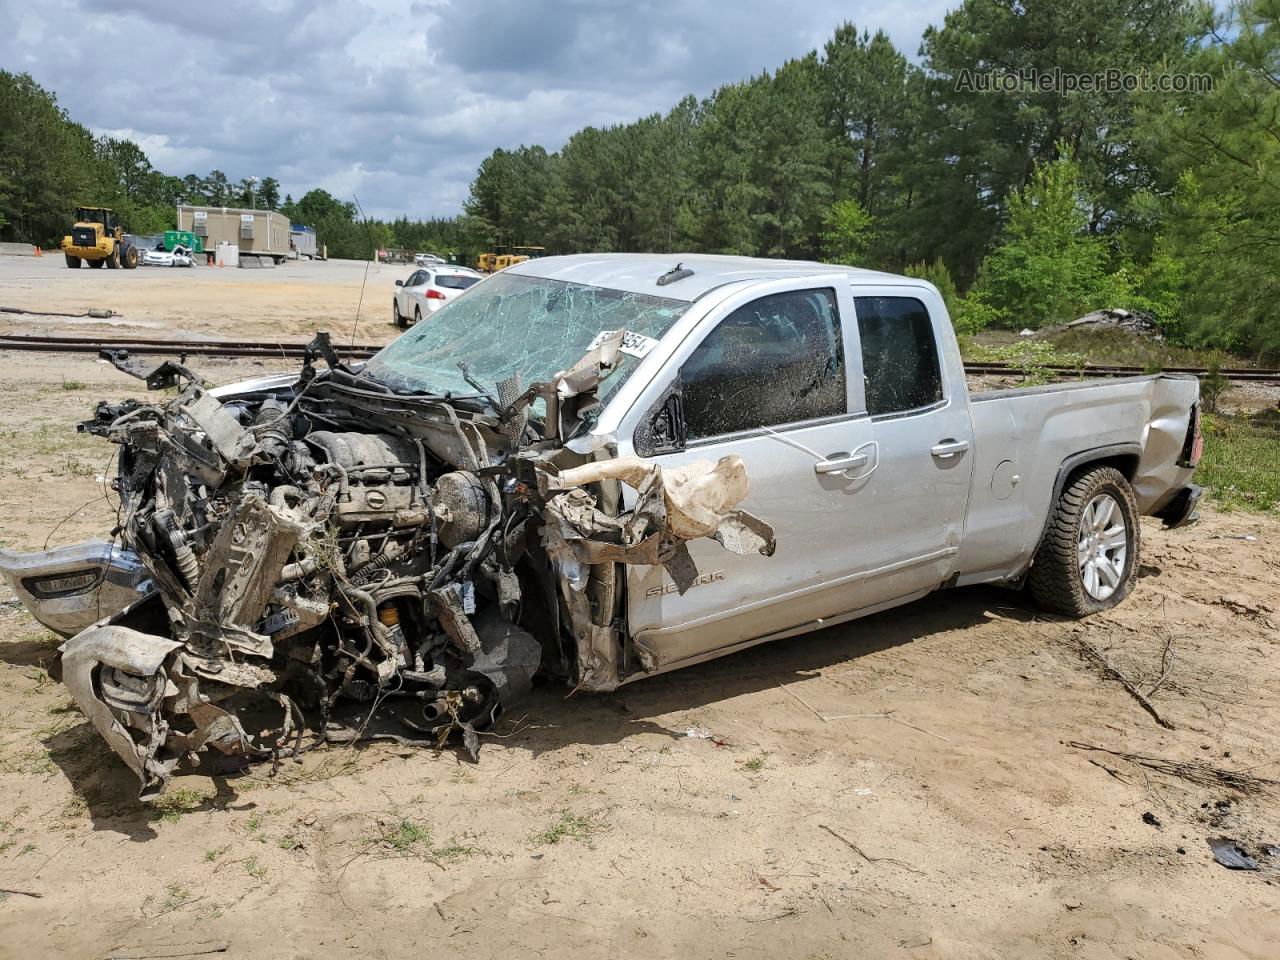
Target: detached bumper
{"x":1180,"y":511}
{"x":71,"y":588}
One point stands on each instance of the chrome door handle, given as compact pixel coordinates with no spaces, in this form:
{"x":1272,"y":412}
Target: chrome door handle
{"x":840,"y":464}
{"x":949,"y":448}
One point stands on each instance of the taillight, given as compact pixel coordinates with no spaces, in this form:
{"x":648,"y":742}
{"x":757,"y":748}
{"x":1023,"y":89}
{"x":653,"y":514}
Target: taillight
{"x":434,"y":295}
{"x":1193,"y":446}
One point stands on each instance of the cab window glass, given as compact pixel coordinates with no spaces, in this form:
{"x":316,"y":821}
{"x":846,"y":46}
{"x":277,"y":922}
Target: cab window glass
{"x":899,"y":354}
{"x":774,"y":361}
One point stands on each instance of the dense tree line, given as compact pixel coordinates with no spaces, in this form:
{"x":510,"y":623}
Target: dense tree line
{"x":1028,"y":204}
{"x":1038,"y":202}
{"x":49,"y":165}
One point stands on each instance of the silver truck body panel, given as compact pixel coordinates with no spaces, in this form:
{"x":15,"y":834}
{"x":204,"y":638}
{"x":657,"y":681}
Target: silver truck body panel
{"x":908,"y":522}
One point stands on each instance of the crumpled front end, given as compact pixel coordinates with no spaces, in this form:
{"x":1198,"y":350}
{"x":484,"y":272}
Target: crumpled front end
{"x":323,"y":562}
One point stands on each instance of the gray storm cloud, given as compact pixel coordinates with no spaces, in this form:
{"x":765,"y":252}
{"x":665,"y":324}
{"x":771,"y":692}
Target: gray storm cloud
{"x":399,"y":102}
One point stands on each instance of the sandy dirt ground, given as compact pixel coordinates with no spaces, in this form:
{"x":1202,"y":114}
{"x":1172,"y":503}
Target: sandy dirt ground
{"x":914,"y":784}
{"x":290,"y":301}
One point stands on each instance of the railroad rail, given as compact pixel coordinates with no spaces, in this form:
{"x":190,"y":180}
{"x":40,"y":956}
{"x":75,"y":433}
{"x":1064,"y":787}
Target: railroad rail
{"x":159,"y":346}
{"x":292,"y":350}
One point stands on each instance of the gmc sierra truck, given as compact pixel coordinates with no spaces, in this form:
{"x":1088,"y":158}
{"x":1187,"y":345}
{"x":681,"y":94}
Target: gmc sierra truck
{"x":591,"y":468}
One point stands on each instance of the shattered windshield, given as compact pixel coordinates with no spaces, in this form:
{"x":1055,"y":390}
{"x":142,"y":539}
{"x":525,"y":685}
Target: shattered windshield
{"x":513,"y":323}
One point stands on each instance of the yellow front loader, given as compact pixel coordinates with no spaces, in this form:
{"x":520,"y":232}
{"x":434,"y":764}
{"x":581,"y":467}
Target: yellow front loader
{"x":96,"y":239}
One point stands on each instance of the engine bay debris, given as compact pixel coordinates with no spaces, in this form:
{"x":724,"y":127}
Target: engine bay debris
{"x":331,"y":557}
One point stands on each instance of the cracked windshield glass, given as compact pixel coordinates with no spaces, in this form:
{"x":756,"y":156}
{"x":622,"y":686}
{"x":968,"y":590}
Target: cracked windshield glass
{"x":513,"y":323}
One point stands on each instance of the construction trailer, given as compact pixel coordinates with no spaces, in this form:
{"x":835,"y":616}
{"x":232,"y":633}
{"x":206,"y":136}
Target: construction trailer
{"x":302,"y":241}
{"x":259,"y":234}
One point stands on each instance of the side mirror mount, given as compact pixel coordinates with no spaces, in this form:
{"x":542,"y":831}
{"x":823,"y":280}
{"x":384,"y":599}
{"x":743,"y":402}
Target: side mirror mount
{"x":663,"y":428}
{"x":399,"y":283}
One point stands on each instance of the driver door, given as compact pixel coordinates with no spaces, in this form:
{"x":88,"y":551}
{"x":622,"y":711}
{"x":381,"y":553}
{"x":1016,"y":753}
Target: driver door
{"x":774,"y":376}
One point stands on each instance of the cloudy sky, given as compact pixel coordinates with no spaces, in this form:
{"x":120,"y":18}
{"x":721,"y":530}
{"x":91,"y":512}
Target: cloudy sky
{"x":397,"y":101}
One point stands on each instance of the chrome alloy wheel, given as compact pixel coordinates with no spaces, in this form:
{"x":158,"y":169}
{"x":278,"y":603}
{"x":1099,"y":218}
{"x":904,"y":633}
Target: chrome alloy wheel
{"x":1103,"y":546}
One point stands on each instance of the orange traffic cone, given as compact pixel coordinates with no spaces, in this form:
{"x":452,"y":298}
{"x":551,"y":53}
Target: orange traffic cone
{"x":38,"y":252}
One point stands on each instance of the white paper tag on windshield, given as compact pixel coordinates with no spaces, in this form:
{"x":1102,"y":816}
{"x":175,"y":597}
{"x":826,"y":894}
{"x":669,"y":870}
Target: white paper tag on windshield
{"x":633,"y":344}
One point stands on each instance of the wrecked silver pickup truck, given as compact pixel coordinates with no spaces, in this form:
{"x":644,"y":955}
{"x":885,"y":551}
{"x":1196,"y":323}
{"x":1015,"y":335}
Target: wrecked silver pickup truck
{"x":528,"y":486}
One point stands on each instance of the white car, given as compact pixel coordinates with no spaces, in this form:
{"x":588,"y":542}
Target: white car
{"x":429,"y":260}
{"x":429,"y":289}
{"x":180,"y":256}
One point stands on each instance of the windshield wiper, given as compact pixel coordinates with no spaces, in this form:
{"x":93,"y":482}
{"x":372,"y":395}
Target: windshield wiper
{"x":466,"y":375}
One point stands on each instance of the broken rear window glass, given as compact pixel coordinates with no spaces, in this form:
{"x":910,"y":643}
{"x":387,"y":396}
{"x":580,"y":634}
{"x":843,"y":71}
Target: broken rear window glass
{"x":513,"y":323}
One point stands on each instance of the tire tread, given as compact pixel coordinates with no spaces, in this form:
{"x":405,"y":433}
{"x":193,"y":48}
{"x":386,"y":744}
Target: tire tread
{"x":1054,"y":580}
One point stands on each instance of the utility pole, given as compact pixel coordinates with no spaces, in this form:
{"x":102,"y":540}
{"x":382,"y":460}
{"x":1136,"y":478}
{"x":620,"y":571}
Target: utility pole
{"x":252,"y":202}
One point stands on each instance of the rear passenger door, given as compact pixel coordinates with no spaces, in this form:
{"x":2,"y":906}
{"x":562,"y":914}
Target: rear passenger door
{"x":911,"y":514}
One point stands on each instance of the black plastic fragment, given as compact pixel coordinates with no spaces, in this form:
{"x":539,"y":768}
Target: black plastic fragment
{"x":160,"y":377}
{"x":671,"y":276}
{"x":1231,"y":855}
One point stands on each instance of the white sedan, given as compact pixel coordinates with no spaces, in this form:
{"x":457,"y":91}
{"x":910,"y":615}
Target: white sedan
{"x":427,"y":290}
{"x":180,"y":256}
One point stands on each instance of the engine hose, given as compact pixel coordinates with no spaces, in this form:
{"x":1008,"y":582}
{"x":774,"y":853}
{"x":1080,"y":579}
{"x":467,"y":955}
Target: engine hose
{"x":363,"y":573}
{"x":380,"y":634}
{"x":183,"y":556}
{"x":303,"y":568}
{"x":272,"y":428}
{"x":446,"y":565}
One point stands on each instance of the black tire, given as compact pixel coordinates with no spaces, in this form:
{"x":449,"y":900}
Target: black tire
{"x":1081,"y":545}
{"x":396,"y":316}
{"x":417,"y":315}
{"x":72,"y":262}
{"x":113,"y":261}
{"x":129,"y":257}
{"x":95,"y":263}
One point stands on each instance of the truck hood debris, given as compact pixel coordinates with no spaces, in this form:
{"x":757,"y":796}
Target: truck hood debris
{"x":318,"y":558}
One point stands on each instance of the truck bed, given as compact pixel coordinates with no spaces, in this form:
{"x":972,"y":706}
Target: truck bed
{"x":1023,"y":437}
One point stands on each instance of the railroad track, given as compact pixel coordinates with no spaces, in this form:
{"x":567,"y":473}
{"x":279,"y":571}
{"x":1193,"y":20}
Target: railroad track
{"x":159,"y":346}
{"x":291,"y":350}
{"x":1240,"y":373}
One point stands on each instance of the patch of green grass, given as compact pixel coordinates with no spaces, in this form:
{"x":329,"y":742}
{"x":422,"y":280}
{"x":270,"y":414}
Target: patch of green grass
{"x":453,"y":851}
{"x":73,"y":384}
{"x":254,"y":823}
{"x":288,"y":842}
{"x":406,"y":836}
{"x":169,"y":807}
{"x":176,"y":896}
{"x":409,"y":838}
{"x":1031,"y":358}
{"x":1240,"y":468}
{"x":33,"y":762}
{"x":755,"y":764}
{"x":78,"y":468}
{"x":77,"y":805}
{"x":569,"y":827}
{"x":254,"y":869}
{"x":213,"y":853}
